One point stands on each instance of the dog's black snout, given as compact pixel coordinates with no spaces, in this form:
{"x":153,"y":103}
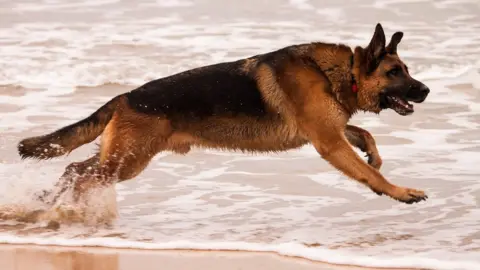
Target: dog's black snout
{"x":417,"y":92}
{"x":424,"y":89}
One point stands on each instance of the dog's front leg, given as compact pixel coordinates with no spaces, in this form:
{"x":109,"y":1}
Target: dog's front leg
{"x":364,"y":141}
{"x":334,"y":147}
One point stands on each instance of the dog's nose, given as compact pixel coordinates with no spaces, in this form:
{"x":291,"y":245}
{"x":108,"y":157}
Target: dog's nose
{"x":424,"y":89}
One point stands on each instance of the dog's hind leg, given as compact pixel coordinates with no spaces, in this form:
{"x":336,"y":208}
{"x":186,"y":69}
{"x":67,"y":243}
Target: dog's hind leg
{"x":128,"y":144}
{"x":72,"y":172}
{"x":364,"y":141}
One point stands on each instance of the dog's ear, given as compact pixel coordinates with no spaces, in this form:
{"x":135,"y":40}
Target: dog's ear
{"x":392,"y":46}
{"x":375,"y":49}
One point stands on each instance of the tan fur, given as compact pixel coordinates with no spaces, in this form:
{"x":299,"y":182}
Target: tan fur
{"x":277,"y":100}
{"x":249,"y":65}
{"x":364,"y":141}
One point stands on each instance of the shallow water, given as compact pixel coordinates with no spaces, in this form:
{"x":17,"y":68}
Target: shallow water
{"x":61,"y":60}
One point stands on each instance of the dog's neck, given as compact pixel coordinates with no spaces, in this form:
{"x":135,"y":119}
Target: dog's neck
{"x":348,"y":96}
{"x":336,"y":62}
{"x":354,"y":82}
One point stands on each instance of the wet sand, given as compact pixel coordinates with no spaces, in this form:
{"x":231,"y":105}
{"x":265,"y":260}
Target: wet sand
{"x":24,"y":257}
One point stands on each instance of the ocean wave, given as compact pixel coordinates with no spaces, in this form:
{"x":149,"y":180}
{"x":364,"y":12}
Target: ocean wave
{"x":52,"y":55}
{"x":286,"y":249}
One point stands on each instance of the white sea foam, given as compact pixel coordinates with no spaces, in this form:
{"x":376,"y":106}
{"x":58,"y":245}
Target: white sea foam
{"x":301,"y":4}
{"x":286,"y":249}
{"x":174,"y":3}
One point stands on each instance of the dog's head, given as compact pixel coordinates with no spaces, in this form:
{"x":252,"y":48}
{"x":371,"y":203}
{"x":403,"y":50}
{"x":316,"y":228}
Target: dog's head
{"x":383,"y":79}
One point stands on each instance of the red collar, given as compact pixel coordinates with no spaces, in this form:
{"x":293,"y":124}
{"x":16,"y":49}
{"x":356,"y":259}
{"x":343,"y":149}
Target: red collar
{"x":354,"y":83}
{"x":354,"y":86}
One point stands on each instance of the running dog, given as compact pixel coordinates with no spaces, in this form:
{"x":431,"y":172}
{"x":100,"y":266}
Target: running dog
{"x":284,"y":99}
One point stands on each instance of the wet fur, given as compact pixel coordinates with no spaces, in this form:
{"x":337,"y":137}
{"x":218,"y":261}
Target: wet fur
{"x":272,"y":102}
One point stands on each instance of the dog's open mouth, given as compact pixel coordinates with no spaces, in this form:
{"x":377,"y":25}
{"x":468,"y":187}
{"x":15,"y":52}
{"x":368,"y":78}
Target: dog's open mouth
{"x":399,"y":104}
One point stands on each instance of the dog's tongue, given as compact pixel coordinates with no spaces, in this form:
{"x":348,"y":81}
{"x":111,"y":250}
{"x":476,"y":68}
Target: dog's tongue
{"x":400,"y":105}
{"x":404,"y":104}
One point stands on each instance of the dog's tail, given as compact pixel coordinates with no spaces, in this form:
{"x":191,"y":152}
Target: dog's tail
{"x":68,"y":138}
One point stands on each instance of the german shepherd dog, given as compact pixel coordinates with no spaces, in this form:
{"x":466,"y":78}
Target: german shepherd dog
{"x":269,"y":102}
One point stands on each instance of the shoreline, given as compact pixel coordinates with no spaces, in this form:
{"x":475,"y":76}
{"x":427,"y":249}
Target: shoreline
{"x":120,"y":258}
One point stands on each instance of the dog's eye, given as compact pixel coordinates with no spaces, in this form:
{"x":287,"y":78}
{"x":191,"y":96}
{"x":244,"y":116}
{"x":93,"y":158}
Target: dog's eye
{"x":394,"y":71}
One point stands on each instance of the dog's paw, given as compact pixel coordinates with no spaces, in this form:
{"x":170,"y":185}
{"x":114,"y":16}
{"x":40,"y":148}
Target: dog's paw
{"x":409,"y":195}
{"x":374,"y":160}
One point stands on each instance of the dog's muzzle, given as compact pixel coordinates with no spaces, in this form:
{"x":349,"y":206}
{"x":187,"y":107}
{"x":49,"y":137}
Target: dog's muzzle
{"x":397,"y":98}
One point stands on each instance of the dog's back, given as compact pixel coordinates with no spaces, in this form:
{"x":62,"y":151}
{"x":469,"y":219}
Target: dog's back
{"x":218,"y":90}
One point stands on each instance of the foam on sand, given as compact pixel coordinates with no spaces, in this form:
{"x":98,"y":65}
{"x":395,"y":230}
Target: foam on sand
{"x":285,"y":249}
